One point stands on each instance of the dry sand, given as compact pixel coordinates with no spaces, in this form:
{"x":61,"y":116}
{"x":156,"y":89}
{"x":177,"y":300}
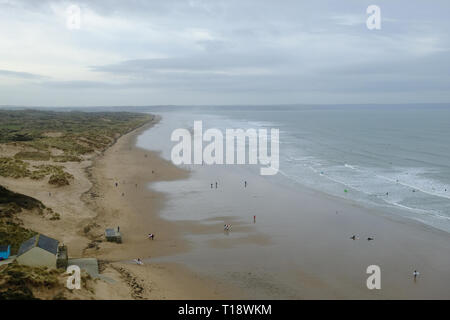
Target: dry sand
{"x":93,"y":202}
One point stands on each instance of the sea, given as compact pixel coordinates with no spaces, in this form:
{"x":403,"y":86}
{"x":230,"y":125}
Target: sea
{"x":395,"y":158}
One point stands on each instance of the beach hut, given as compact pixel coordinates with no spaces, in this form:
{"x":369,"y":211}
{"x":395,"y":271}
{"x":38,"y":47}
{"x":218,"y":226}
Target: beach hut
{"x":5,"y":252}
{"x":38,"y":251}
{"x":113,"y":235}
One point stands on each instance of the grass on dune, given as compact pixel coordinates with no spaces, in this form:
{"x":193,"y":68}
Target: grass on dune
{"x":73,"y":134}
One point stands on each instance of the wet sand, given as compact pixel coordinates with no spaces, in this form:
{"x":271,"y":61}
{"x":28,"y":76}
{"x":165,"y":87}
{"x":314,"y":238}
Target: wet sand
{"x":299,"y":247}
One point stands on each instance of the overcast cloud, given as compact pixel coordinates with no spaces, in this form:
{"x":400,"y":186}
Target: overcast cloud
{"x":223,"y":52}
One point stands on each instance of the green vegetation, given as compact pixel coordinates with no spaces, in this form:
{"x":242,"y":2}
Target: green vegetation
{"x":73,"y":134}
{"x":11,"y":230}
{"x":60,"y":179}
{"x":66,"y":158}
{"x":18,"y":281}
{"x":58,"y":176}
{"x":12,"y":233}
{"x":18,"y":201}
{"x":30,"y":155}
{"x":15,"y":168}
{"x":10,"y":167}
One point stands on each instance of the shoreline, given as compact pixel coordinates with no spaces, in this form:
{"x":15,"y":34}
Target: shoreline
{"x":299,"y":246}
{"x":137,"y":214}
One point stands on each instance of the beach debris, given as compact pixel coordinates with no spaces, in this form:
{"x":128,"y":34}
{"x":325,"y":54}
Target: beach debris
{"x":136,"y":285}
{"x":94,"y":195}
{"x":345,"y":190}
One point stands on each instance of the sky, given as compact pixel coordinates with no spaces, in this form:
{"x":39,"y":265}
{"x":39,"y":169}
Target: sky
{"x":222,"y":52}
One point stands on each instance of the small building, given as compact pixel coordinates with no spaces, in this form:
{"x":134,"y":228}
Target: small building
{"x":38,"y":251}
{"x":113,"y":235}
{"x":5,"y":251}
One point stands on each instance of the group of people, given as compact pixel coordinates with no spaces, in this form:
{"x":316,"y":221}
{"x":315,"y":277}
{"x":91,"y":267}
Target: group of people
{"x":212,"y":184}
{"x":227,"y":227}
{"x":356,"y":237}
{"x":151,"y":236}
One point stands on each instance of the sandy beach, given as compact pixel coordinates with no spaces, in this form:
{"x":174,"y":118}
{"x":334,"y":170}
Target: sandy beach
{"x":93,"y":202}
{"x":298,"y":247}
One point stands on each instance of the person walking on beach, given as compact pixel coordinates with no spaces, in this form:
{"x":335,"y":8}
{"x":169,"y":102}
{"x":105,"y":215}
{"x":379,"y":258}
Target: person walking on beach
{"x":354,"y":237}
{"x":216,"y":184}
{"x":116,"y":184}
{"x":151,"y":236}
{"x":118,"y":229}
{"x":245,"y":184}
{"x":211,"y":185}
{"x":415,"y":274}
{"x":254,"y":219}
